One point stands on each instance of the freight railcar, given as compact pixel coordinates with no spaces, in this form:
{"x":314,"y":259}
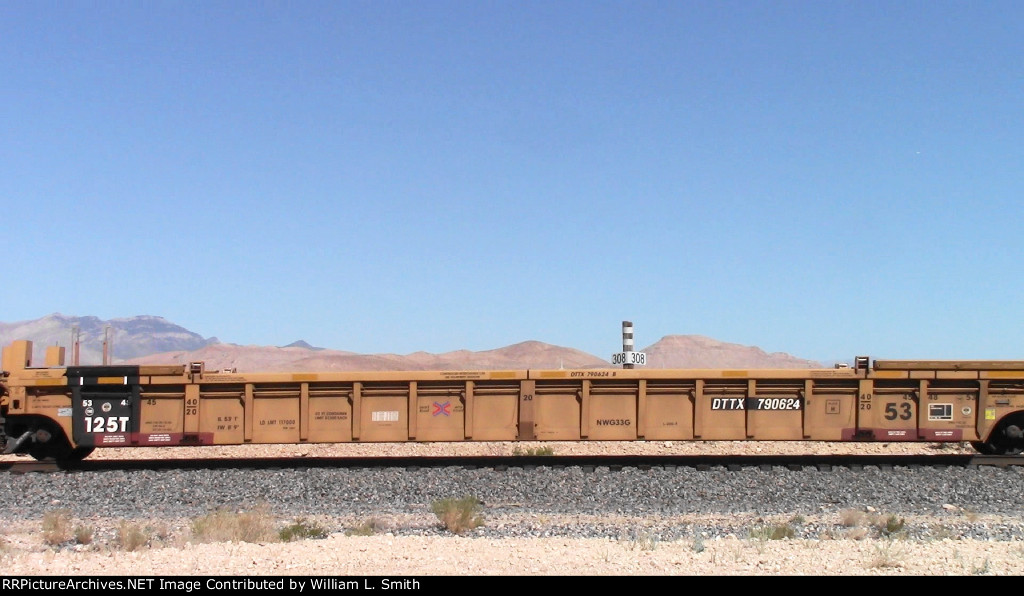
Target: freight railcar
{"x":65,"y":412}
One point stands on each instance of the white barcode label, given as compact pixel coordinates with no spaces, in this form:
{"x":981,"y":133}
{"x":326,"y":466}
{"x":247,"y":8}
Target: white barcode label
{"x":384,"y":416}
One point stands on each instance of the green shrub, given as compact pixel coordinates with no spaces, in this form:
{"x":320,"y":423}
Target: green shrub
{"x":534,"y":451}
{"x":301,"y":530}
{"x":891,"y":526}
{"x":458,"y":515}
{"x":367,"y":528}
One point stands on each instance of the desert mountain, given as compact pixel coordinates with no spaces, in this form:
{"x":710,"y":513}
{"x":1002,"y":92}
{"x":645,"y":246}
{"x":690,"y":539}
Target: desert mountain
{"x":673,"y":351}
{"x":697,"y":351}
{"x":131,"y":337}
{"x":154,"y":340}
{"x":529,"y":354}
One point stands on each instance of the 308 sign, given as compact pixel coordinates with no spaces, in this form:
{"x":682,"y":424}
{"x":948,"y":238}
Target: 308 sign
{"x":629,"y":358}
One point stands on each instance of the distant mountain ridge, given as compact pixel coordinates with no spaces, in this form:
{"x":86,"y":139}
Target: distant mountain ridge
{"x":698,"y":351}
{"x":528,"y":354}
{"x":132,"y":337}
{"x":154,"y":340}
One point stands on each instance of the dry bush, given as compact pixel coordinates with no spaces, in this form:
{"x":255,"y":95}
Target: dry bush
{"x":773,"y":532}
{"x":235,"y":526}
{"x":857,"y":533}
{"x":889,"y":526}
{"x":458,"y":515}
{"x":57,"y":527}
{"x":850,"y":518}
{"x":83,"y":534}
{"x":940,"y":532}
{"x":645,"y":541}
{"x":886,"y":556}
{"x":367,"y":528}
{"x":131,"y":536}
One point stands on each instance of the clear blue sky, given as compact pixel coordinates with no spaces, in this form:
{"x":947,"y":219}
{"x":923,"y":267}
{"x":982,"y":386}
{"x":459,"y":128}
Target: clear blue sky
{"x":821,"y":178}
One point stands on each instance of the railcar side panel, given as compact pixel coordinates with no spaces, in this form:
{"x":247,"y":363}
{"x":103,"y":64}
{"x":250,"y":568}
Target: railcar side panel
{"x":45,"y":402}
{"x":668,"y":410}
{"x":384,"y":415}
{"x":830,"y":408}
{"x":948,"y":410}
{"x":492,"y":410}
{"x":557,"y":410}
{"x":610,"y":410}
{"x":722,"y":409}
{"x":161,"y":415}
{"x":222,"y":418}
{"x":330,"y":413}
{"x":774,"y":410}
{"x":275,"y":413}
{"x":440,"y":411}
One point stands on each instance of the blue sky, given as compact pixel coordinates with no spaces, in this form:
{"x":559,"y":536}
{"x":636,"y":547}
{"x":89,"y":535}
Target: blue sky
{"x":820,"y":178}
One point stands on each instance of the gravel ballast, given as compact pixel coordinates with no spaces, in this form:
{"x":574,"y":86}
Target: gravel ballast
{"x":929,"y":520}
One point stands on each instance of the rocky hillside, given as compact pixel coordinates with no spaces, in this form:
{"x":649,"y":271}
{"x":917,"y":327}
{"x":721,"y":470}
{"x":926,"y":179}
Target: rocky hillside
{"x":697,"y":351}
{"x":132,"y":336}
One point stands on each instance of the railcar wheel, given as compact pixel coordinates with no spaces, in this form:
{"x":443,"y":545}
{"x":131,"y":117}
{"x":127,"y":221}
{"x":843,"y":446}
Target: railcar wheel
{"x":79,"y":453}
{"x":983,"y":447}
{"x":64,"y":457}
{"x":1007,"y":438}
{"x":73,"y":457}
{"x":44,"y":452}
{"x":49,"y":443}
{"x":1013,"y":438}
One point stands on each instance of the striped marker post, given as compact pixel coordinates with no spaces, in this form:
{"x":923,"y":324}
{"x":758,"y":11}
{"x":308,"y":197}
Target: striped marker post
{"x":627,"y":357}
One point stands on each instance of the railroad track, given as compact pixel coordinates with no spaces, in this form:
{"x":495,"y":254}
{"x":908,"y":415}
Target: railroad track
{"x":587,"y":463}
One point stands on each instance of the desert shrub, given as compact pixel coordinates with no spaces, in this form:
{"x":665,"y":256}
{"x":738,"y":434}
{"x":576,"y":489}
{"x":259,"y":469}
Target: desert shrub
{"x":57,"y":527}
{"x":773,"y":532}
{"x":458,"y":515}
{"x":223,"y":525}
{"x":891,"y":526}
{"x":645,"y":541}
{"x":850,"y":518}
{"x":366,"y":528}
{"x":302,"y":529}
{"x":83,"y":534}
{"x":131,"y":536}
{"x":534,"y":451}
{"x":886,"y":556}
